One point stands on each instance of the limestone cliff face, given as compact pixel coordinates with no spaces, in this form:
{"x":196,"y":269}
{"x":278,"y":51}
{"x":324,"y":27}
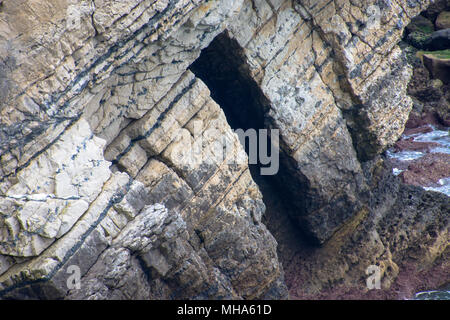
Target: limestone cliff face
{"x":96,"y":95}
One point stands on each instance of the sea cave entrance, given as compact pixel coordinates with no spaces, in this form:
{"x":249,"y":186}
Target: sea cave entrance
{"x":223,"y":67}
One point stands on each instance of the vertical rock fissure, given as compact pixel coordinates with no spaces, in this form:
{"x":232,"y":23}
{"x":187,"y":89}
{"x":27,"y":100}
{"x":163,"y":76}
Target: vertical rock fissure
{"x":222,"y":66}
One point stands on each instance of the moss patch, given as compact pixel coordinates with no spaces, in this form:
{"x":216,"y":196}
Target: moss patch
{"x":426,"y":29}
{"x":441,"y":54}
{"x":420,"y":24}
{"x":418,"y":39}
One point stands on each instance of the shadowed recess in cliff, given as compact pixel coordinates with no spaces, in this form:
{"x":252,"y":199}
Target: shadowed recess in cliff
{"x":222,"y":66}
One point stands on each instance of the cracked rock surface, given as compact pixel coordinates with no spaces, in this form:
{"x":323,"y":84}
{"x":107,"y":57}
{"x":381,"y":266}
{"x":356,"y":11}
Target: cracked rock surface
{"x":98,"y":99}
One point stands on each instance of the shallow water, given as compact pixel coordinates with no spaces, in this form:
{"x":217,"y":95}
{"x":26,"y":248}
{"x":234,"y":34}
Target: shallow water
{"x":405,"y":155}
{"x":432,"y":295}
{"x":442,"y":137}
{"x":444,"y":188}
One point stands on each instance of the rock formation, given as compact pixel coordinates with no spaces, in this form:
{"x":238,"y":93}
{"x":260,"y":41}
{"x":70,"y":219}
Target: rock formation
{"x":99,"y":98}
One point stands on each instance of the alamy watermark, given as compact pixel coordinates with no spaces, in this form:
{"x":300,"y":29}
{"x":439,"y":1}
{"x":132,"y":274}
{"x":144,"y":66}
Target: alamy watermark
{"x":211,"y":146}
{"x":73,"y":20}
{"x":75,"y":11}
{"x":374,"y":279}
{"x":374,"y":14}
{"x":74,"y":279}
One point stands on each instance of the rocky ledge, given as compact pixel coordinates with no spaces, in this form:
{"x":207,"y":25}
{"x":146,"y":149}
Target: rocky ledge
{"x":100,"y":99}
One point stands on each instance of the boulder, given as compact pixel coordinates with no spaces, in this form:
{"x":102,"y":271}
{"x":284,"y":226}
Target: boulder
{"x":421,"y":86}
{"x":411,"y":145}
{"x":419,"y":31}
{"x":438,"y":65}
{"x":421,"y":129}
{"x":418,"y":39}
{"x":427,"y":170}
{"x":439,"y":40}
{"x":443,"y":20}
{"x":436,"y":8}
{"x":420,"y":23}
{"x":431,"y":99}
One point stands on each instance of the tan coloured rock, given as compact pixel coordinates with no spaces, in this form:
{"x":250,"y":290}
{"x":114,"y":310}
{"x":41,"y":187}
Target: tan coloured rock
{"x":97,"y":104}
{"x":438,"y":67}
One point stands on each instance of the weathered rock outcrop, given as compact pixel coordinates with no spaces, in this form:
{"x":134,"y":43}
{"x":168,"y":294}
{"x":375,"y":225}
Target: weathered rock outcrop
{"x":404,"y":231}
{"x":101,"y":101}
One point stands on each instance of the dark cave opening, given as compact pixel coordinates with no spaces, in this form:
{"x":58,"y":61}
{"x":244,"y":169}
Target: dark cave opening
{"x":222,"y":66}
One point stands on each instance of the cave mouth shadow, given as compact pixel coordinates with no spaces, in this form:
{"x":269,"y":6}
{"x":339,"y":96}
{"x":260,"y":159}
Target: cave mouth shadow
{"x":223,"y":67}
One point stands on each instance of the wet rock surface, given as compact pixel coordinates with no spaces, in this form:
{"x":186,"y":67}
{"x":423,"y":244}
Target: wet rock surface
{"x":427,"y":170}
{"x":412,"y":145}
{"x":420,"y":157}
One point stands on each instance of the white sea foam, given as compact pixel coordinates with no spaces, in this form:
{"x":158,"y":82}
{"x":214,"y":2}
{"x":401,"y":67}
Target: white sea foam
{"x":439,"y":136}
{"x":442,"y":137}
{"x":444,"y":188}
{"x":405,"y":155}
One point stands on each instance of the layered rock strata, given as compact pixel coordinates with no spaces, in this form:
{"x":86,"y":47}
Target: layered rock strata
{"x":98,"y":102}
